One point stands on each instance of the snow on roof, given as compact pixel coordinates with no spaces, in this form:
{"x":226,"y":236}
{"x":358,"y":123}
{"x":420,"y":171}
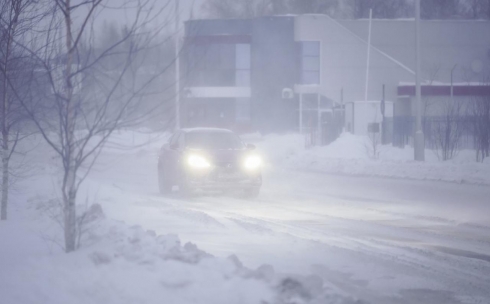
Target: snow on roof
{"x":422,"y":20}
{"x":438,"y":83}
{"x":369,"y":101}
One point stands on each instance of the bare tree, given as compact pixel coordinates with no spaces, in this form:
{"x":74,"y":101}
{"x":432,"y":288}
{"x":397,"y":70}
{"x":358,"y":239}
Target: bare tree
{"x":16,"y":19}
{"x":480,"y":111}
{"x":447,"y":132}
{"x":329,"y":7}
{"x":238,"y":9}
{"x":439,"y":9}
{"x":475,"y":9}
{"x":87,"y":98}
{"x":388,"y":9}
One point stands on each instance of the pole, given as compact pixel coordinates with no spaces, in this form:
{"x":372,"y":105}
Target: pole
{"x":419,"y":142}
{"x":177,"y":67}
{"x":319,"y":122}
{"x":383,"y":108}
{"x":452,"y":92}
{"x":300,"y":113}
{"x":368,"y":55}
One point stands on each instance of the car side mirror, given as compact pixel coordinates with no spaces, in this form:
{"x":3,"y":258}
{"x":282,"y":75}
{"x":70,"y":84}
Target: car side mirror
{"x":250,"y":147}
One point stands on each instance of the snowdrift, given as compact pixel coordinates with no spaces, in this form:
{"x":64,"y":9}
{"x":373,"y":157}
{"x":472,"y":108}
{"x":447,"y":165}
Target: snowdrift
{"x":121,"y":264}
{"x":351,"y":154}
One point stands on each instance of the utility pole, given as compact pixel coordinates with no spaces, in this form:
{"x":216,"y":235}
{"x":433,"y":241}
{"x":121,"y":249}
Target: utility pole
{"x":300,"y":113}
{"x":452,"y":89}
{"x":419,"y":142}
{"x":368,"y":55}
{"x":382,"y":108}
{"x":177,"y":67}
{"x":319,"y":121}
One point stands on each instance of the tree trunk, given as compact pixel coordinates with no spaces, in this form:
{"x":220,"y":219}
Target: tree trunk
{"x":5,"y":155}
{"x":70,"y":214}
{"x":15,"y":9}
{"x":5,"y":179}
{"x":5,"y":141}
{"x":69,"y":185}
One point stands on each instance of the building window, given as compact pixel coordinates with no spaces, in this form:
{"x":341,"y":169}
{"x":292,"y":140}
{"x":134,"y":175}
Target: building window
{"x":242,"y":109}
{"x":242,"y":65}
{"x":219,"y":65}
{"x":310,"y":62}
{"x":211,"y":65}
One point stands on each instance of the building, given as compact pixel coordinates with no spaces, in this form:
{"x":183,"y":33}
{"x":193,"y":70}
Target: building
{"x":260,"y":73}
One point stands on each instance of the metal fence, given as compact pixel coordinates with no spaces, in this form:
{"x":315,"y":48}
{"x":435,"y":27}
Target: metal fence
{"x":332,"y":126}
{"x":404,"y":130}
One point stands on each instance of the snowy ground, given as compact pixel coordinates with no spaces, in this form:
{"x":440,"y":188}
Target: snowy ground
{"x":336,"y":237}
{"x":353,"y":155}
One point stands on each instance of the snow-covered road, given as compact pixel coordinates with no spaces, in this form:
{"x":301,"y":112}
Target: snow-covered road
{"x":380,"y":240}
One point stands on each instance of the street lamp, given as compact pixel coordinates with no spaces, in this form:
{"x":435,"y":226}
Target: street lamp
{"x":452,"y":92}
{"x":419,"y":142}
{"x":177,"y":67}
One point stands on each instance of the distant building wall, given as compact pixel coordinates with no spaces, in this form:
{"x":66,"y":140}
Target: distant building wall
{"x":274,"y":67}
{"x":314,"y":54}
{"x":343,"y":61}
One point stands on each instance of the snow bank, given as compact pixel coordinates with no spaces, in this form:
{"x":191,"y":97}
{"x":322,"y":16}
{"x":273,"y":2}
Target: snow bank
{"x":122,"y":264}
{"x":351,"y":154}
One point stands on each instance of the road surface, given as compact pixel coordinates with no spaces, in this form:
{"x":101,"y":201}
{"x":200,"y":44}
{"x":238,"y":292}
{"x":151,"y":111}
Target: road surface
{"x":378,"y":239}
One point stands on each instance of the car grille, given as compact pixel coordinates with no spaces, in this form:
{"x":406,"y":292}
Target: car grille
{"x":227,"y":171}
{"x":227,"y":165}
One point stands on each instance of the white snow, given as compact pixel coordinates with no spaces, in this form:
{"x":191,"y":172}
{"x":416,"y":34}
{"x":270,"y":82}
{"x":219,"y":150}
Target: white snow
{"x":439,"y":83}
{"x":118,"y":262}
{"x":352,"y":155}
{"x":309,"y":238}
{"x":125,"y":265}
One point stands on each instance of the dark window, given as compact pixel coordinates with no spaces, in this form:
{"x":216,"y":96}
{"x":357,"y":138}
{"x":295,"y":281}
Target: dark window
{"x":218,"y":65}
{"x":310,"y":62}
{"x":213,"y":140}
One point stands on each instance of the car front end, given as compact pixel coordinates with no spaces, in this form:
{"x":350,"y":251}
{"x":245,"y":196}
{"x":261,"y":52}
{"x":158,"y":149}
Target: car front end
{"x":223,"y":170}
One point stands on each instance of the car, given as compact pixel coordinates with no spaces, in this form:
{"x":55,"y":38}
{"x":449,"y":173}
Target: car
{"x":209,"y":160}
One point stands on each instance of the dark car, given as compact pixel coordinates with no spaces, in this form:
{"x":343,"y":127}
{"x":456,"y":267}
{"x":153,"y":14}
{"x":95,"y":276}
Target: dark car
{"x":205,"y":159}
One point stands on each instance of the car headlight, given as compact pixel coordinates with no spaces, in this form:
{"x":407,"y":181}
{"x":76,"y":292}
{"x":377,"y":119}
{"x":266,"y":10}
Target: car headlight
{"x":198,"y":162}
{"x":252,"y":162}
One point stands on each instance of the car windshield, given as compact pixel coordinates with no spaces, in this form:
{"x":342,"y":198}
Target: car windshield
{"x":213,"y":140}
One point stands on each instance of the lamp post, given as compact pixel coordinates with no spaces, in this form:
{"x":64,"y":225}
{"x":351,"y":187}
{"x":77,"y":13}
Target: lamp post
{"x":419,"y":142}
{"x":177,"y":68}
{"x":452,"y":92}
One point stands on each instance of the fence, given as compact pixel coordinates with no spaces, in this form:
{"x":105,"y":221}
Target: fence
{"x":332,"y":126}
{"x":404,"y":130}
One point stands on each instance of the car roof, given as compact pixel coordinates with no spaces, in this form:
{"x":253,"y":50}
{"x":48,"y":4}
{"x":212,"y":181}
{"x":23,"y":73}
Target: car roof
{"x":211,"y":130}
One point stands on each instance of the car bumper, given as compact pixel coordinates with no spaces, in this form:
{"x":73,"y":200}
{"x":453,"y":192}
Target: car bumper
{"x":213,"y":181}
